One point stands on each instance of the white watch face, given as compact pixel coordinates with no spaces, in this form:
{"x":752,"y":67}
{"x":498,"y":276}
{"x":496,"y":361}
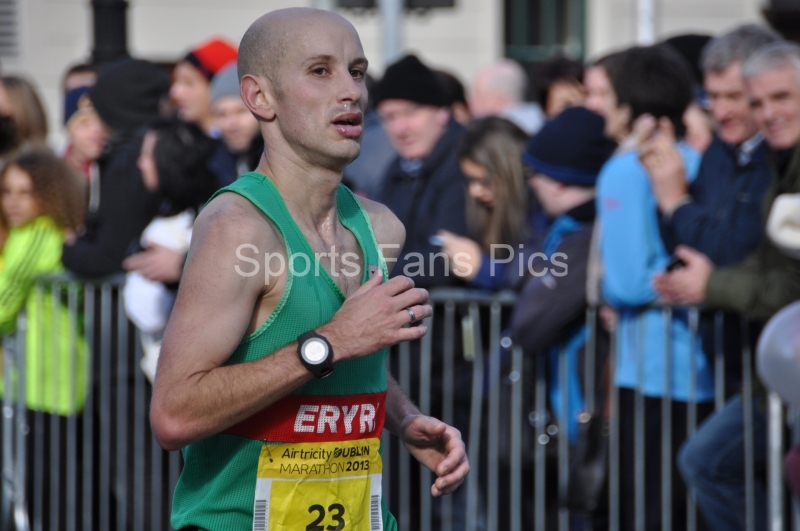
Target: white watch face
{"x":315,"y":350}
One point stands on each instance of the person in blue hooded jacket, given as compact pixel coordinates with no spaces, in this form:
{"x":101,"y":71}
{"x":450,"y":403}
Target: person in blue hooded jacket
{"x":647,"y":80}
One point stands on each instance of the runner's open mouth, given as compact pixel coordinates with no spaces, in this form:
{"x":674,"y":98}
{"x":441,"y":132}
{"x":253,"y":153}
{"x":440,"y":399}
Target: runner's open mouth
{"x":349,"y":119}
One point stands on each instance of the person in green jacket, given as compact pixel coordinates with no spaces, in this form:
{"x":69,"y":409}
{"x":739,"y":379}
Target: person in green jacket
{"x":42,"y":200}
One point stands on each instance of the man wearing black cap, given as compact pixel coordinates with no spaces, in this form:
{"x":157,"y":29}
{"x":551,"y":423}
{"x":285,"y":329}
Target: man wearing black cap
{"x":423,"y":186}
{"x":127,"y":96}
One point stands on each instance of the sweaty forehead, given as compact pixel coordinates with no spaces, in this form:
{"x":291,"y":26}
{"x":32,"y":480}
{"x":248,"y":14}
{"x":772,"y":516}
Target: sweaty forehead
{"x":294,"y":35}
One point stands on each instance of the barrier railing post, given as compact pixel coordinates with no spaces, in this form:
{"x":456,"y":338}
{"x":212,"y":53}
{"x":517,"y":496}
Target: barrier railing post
{"x":21,"y":522}
{"x":613,"y":438}
{"x":37,"y":353}
{"x":515,"y":377}
{"x":140,"y":417}
{"x":104,"y":488}
{"x":404,"y":518}
{"x":749,"y":444}
{"x":121,"y":446}
{"x":448,"y":389}
{"x":493,"y":421}
{"x":55,"y":427}
{"x":156,"y":496}
{"x":589,"y":384}
{"x":540,"y":423}
{"x":425,"y":477}
{"x":666,"y":425}
{"x":691,"y":414}
{"x":174,"y":473}
{"x":639,"y":430}
{"x":475,"y":418}
{"x":8,"y":493}
{"x":775,"y":482}
{"x":72,"y":421}
{"x":563,"y":439}
{"x":88,"y":410}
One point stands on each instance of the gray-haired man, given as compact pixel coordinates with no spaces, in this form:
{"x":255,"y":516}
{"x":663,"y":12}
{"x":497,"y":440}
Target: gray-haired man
{"x":719,"y":213}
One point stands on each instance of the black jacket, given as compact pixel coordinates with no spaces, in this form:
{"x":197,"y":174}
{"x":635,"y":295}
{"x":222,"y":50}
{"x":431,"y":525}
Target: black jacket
{"x":429,"y":200}
{"x":126,"y":207}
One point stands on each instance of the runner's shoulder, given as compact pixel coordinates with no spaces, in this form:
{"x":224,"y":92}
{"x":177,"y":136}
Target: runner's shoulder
{"x":233,"y":220}
{"x":388,"y":228}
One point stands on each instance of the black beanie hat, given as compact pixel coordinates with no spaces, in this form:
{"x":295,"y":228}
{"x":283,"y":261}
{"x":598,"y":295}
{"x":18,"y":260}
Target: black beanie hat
{"x":571,"y":148}
{"x":128,"y":93}
{"x":409,"y":79}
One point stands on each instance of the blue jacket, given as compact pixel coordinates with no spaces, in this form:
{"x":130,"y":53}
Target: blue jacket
{"x":723,"y":220}
{"x":632,"y":253}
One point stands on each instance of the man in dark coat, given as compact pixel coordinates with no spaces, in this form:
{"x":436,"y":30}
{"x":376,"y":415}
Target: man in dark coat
{"x":423,"y":185}
{"x":424,"y":188}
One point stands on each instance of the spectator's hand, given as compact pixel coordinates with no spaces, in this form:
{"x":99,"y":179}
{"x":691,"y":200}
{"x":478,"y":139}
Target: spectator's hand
{"x":658,"y":152}
{"x":609,"y":318}
{"x":440,"y":448}
{"x":157,"y":263}
{"x":686,"y":285}
{"x":468,"y":252}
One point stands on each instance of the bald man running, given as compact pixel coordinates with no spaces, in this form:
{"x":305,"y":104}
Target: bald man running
{"x":272,"y":374}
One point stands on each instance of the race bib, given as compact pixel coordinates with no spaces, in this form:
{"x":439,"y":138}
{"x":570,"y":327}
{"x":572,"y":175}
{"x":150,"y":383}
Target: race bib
{"x":330,"y":486}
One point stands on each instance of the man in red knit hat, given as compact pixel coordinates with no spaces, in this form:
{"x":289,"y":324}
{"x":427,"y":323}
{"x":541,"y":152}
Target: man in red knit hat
{"x":191,"y":81}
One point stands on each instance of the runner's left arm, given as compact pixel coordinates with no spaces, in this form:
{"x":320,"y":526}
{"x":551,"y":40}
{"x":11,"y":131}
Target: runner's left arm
{"x":432,"y":442}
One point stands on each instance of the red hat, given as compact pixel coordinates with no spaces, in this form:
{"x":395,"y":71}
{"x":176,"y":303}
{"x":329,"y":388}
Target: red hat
{"x":212,"y":56}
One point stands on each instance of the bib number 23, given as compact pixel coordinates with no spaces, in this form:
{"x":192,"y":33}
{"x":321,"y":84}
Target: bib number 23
{"x":330,"y":486}
{"x":336,"y":513}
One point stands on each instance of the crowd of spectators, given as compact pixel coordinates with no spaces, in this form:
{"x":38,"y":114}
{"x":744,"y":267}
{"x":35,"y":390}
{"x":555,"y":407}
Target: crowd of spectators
{"x":645,"y":177}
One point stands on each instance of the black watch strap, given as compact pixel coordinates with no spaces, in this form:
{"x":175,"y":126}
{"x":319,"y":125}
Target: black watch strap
{"x":319,"y":368}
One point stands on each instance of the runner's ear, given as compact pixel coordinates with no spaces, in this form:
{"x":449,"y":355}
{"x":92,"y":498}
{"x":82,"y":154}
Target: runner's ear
{"x":257,"y":97}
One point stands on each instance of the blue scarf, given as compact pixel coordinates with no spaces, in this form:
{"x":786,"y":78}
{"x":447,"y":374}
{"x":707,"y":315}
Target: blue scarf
{"x":562,"y":226}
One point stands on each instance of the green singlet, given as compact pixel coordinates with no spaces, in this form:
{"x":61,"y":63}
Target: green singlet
{"x":319,"y":435}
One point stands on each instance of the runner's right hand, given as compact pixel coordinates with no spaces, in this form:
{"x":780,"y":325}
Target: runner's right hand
{"x":374,"y":317}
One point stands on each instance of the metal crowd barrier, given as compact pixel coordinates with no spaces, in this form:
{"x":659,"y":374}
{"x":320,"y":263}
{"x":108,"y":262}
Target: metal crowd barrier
{"x":508,"y":399}
{"x":80,"y":455}
{"x":86,"y":459}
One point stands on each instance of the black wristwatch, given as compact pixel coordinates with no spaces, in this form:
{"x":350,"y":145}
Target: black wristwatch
{"x":315,"y":354}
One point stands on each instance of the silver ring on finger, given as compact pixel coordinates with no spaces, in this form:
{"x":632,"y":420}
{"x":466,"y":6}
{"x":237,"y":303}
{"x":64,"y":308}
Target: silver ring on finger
{"x":412,"y":314}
